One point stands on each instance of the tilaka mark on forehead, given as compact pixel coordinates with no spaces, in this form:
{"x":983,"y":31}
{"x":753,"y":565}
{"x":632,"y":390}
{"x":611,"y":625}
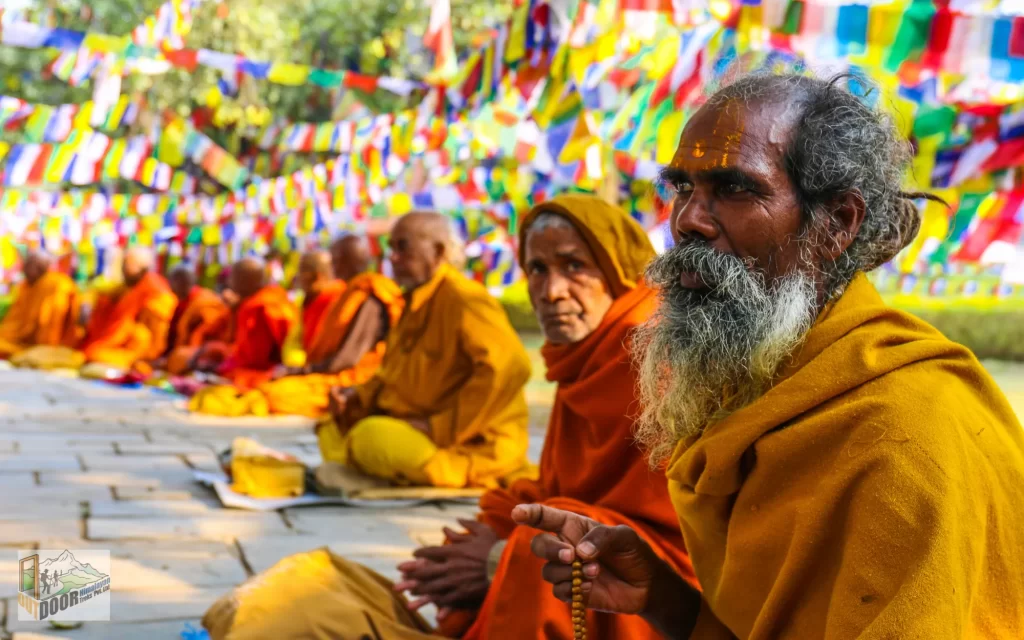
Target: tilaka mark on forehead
{"x":732,"y":129}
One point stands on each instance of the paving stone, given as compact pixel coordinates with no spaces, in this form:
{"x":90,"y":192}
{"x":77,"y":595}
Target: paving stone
{"x":112,"y":630}
{"x":18,"y":532}
{"x":203,"y":462}
{"x":38,"y":447}
{"x":149,"y":508}
{"x":219,"y":526}
{"x":168,"y":572}
{"x":43,"y":495}
{"x":154,"y":479}
{"x":132,"y":463}
{"x":29,"y":462}
{"x":146,"y":493}
{"x":17,"y":481}
{"x":183,"y":447}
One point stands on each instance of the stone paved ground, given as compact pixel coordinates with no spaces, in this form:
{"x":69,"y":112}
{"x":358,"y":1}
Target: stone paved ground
{"x":83,"y":465}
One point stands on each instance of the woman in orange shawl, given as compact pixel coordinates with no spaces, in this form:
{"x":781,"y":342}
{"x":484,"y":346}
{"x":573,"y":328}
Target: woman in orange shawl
{"x":590,"y":464}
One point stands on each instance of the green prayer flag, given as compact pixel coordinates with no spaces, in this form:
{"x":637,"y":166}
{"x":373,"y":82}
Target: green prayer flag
{"x":794,"y":17}
{"x":932,"y":120}
{"x":325,"y":78}
{"x":912,"y":35}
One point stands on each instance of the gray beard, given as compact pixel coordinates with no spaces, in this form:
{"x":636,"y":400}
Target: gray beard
{"x":706,"y":354}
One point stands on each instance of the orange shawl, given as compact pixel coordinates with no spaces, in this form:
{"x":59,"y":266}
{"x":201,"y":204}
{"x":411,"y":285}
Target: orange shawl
{"x":262,"y":322}
{"x":131,"y":326}
{"x":307,"y":395}
{"x":313,"y":311}
{"x":591,"y":466}
{"x":204,"y":316}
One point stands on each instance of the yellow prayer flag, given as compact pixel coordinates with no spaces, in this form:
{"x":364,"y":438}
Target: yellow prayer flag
{"x":580,"y":140}
{"x":4,"y":148}
{"x":211,"y":235}
{"x":103,"y":43}
{"x":669,"y":130}
{"x":664,"y":57}
{"x":290,"y":74}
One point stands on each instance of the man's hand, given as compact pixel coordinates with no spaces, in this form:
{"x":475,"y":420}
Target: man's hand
{"x":621,"y":573}
{"x":420,"y":424}
{"x":452,"y":576}
{"x":281,"y":371}
{"x":160,"y":364}
{"x":339,"y":401}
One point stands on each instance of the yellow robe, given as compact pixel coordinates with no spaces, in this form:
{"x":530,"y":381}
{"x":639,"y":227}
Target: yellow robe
{"x":43,"y":314}
{"x":453,"y":358}
{"x":877,"y":491}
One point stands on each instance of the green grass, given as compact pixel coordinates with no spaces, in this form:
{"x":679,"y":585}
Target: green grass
{"x":993,"y":329}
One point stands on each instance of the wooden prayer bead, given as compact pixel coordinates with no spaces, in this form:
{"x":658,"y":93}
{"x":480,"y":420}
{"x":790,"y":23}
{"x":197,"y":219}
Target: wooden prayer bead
{"x":579,"y":619}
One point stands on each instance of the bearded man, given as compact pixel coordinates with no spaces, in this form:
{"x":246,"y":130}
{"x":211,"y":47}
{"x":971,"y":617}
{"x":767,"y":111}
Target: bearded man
{"x":839,"y":468}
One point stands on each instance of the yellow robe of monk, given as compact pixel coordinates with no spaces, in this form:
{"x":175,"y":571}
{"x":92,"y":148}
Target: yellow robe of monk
{"x":203,"y":317}
{"x":454,"y":360}
{"x":306,"y":395}
{"x":132,"y":324}
{"x":44,"y":313}
{"x":876,"y":491}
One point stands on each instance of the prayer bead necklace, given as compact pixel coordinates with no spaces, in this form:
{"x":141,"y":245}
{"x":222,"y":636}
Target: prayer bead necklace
{"x":579,"y":614}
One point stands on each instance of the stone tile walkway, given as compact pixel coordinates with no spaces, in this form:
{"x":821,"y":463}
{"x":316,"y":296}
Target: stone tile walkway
{"x":84,"y":465}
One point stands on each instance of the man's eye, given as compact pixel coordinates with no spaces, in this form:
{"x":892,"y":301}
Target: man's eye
{"x":683,"y":187}
{"x":574,"y":266}
{"x":733,"y":187}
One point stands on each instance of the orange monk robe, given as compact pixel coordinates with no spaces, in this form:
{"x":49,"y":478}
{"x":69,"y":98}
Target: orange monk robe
{"x":314,"y":308}
{"x":202,"y":317}
{"x":874,"y":492}
{"x":262,"y":323}
{"x":44,"y":313}
{"x":590,"y":463}
{"x":131,"y":325}
{"x":306,"y":395}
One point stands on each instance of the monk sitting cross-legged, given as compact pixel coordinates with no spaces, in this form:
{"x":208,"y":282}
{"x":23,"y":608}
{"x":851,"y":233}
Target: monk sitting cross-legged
{"x":447,"y":407}
{"x":201,"y":316}
{"x":263,"y":317}
{"x":348,"y":343}
{"x":44,"y":311}
{"x":131,"y":325}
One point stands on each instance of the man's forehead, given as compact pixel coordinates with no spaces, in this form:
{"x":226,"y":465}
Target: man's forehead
{"x":726,"y":135}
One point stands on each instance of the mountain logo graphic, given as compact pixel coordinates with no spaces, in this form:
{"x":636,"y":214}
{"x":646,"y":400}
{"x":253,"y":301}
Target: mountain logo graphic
{"x":51,"y":583}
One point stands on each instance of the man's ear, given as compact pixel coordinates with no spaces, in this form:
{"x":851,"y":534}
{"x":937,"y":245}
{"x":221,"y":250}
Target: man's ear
{"x":440,"y":252}
{"x":844,"y":223}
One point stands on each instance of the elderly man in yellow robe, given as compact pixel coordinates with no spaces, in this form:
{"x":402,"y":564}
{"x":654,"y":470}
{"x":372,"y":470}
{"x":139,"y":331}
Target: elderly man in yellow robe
{"x":447,"y":407}
{"x":840,"y":469}
{"x":130,"y":326}
{"x":44,"y":311}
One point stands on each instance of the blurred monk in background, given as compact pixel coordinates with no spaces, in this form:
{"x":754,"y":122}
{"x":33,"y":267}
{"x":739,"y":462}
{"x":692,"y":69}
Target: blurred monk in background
{"x":44,"y":311}
{"x":263,"y":317}
{"x":447,"y":407}
{"x":315,"y":278}
{"x":201,"y":316}
{"x":349,"y":341}
{"x":131,"y":325}
{"x":583,"y":259}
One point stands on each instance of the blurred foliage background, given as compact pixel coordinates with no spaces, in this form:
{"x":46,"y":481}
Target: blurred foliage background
{"x":374,"y":37}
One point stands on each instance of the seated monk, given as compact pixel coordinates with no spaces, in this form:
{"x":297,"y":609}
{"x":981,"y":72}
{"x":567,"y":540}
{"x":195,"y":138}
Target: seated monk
{"x":130,"y":326}
{"x":319,"y":291}
{"x":44,"y":311}
{"x":201,"y":316}
{"x":583,"y":259}
{"x":262,"y":317}
{"x":349,"y":341}
{"x":840,"y":468}
{"x":447,"y":407}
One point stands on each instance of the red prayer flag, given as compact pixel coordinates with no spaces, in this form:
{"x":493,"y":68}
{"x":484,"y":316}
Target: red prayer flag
{"x":182,"y":58}
{"x":366,"y":84}
{"x":1017,"y":37}
{"x":35,"y":174}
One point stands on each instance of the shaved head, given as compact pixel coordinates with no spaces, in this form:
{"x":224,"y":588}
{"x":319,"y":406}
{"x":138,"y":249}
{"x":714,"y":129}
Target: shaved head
{"x":350,"y":255}
{"x":420,"y":243}
{"x":248,"y":276}
{"x":314,"y":270}
{"x":138,"y":261}
{"x":182,"y":278}
{"x":36,"y":264}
